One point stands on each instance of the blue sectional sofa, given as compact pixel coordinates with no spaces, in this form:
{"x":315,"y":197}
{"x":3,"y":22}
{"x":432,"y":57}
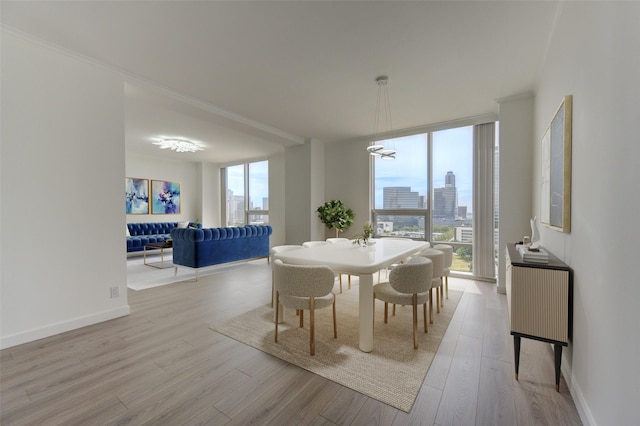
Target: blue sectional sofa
{"x":140,"y":234}
{"x":199,"y":248}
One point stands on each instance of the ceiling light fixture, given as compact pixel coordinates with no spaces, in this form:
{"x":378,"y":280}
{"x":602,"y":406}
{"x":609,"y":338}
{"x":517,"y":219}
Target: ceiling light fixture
{"x":382,"y":106}
{"x":178,"y":145}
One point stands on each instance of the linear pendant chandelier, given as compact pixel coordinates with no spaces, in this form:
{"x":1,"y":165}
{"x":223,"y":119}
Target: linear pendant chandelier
{"x":383,"y":112}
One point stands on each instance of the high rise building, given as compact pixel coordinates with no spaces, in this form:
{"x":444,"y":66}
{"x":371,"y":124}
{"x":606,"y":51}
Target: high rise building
{"x":445,"y":200}
{"x":400,"y":197}
{"x":450,"y":180}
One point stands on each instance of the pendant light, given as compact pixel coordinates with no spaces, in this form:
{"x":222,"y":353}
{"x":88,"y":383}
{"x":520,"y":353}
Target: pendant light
{"x":382,"y":116}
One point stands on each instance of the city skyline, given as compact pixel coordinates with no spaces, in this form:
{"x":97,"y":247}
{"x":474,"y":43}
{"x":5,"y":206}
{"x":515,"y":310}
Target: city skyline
{"x":452,"y":150}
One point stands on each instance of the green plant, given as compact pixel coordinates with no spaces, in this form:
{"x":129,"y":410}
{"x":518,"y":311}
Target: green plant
{"x":367,"y":232}
{"x":334,"y":214}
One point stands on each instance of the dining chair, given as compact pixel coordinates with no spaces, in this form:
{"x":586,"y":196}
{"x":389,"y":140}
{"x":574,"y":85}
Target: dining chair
{"x":448,"y":261}
{"x":304,"y":287}
{"x":409,"y":284}
{"x":273,"y":254}
{"x":340,"y":240}
{"x":437,"y":258}
{"x":392,"y":266}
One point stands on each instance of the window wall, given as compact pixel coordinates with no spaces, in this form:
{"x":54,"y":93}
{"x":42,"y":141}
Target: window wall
{"x":427,"y":192}
{"x":246,"y":192}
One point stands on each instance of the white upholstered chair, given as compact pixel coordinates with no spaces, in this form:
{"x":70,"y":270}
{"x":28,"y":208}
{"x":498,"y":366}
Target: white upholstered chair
{"x":448,"y":261}
{"x":409,"y":284}
{"x":314,"y":243}
{"x":437,"y":259}
{"x":273,"y":255}
{"x":304,"y":287}
{"x":340,"y":240}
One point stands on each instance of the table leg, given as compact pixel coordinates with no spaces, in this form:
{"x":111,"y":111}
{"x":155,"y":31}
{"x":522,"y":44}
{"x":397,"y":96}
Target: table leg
{"x":366,"y":313}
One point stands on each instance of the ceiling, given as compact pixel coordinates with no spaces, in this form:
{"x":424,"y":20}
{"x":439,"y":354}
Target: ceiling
{"x":247,"y":79}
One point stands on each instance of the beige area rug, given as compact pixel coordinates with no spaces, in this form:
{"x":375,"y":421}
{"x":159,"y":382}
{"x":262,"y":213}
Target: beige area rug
{"x":392,"y":373}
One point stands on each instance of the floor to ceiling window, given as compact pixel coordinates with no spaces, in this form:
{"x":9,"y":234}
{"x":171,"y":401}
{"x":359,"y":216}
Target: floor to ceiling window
{"x":238,"y":181}
{"x":427,"y":192}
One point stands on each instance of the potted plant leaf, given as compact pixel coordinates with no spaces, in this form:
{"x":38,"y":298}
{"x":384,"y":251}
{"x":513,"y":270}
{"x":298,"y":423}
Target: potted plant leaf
{"x":334,"y":214}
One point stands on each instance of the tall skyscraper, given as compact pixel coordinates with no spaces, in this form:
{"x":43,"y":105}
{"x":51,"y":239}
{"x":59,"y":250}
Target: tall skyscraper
{"x":445,"y":200}
{"x":450,"y":180}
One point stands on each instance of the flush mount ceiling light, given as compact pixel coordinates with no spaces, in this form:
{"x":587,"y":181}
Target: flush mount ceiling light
{"x":178,"y":145}
{"x":383,"y":110}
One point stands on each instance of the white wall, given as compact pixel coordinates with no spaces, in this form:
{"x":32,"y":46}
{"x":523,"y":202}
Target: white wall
{"x":594,"y":56}
{"x":62,"y":167}
{"x":189,"y":176}
{"x":347,"y":179}
{"x":304,"y":190}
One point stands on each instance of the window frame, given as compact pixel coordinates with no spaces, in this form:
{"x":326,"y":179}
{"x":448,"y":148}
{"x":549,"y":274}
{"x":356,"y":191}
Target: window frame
{"x":247,"y":211}
{"x":428,"y":211}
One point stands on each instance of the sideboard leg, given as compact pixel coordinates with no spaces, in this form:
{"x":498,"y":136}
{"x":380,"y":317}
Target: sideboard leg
{"x":516,"y":353}
{"x":557,"y":350}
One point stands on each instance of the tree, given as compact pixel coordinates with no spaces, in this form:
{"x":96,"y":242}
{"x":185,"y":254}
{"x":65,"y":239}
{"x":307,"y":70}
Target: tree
{"x":334,"y":214}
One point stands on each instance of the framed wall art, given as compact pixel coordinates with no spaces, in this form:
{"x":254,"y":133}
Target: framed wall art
{"x":136,"y":193}
{"x":555,"y":203}
{"x":165,"y":197}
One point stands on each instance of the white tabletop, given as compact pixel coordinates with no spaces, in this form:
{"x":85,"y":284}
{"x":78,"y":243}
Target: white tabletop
{"x":345,"y":257}
{"x":352,"y":259}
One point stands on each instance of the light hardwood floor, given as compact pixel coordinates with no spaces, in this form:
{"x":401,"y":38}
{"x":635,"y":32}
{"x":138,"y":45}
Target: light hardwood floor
{"x":163,"y":365}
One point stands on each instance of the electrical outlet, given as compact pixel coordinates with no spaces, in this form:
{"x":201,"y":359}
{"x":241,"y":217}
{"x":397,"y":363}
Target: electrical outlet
{"x":115,"y":292}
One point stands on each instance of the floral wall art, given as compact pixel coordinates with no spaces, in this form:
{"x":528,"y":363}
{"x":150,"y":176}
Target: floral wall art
{"x":165,"y":197}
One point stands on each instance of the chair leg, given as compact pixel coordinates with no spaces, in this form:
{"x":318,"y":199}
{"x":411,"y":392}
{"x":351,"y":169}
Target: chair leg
{"x":276,"y":321}
{"x":335,"y":329}
{"x":312,"y":326}
{"x":301,"y":318}
{"x":437,"y":300}
{"x":394,"y":310}
{"x":441,"y":292}
{"x":340,"y":279}
{"x":424,"y":316}
{"x":386,"y":312}
{"x":446,"y":282}
{"x":431,"y":306}
{"x":415,"y":321}
{"x":349,"y":281}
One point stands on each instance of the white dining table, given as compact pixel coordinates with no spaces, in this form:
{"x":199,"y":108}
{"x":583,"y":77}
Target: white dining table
{"x":361,"y":261}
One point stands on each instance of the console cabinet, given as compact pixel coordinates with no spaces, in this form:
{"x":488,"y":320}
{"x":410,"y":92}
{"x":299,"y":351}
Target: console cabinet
{"x":539,"y":296}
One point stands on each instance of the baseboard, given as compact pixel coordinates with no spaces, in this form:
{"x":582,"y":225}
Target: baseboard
{"x":61,"y":327}
{"x":578,"y":396}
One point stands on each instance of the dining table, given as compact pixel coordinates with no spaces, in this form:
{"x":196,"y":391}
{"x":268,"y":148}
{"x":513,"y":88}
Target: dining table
{"x":363,"y":261}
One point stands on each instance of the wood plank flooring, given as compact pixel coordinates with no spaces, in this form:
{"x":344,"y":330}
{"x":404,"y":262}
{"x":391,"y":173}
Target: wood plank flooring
{"x":162,"y":365}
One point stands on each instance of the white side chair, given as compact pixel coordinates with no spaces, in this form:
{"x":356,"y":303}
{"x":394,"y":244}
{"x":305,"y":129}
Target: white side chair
{"x":437,"y":259}
{"x":273,"y":255}
{"x":403,"y":261}
{"x":340,"y":240}
{"x":314,"y":243}
{"x":409,"y":284}
{"x":323,"y":243}
{"x":448,"y":261}
{"x":304,"y":287}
